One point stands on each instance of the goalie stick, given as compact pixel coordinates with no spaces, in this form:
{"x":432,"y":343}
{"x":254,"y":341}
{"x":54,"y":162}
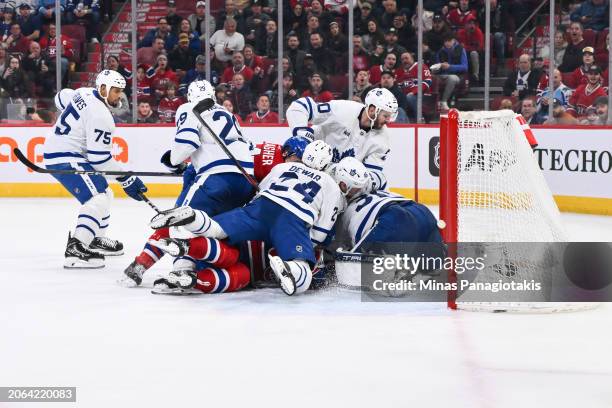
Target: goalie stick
{"x":23,"y":159}
{"x":205,"y":105}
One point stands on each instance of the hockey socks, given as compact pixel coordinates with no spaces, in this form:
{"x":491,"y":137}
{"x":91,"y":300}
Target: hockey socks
{"x":294,"y":276}
{"x":219,"y":280}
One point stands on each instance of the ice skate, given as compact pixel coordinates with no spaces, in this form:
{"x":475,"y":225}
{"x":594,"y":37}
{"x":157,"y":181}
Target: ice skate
{"x":132,"y":275}
{"x":173,"y":217}
{"x":106,"y":246}
{"x":172,"y":246}
{"x":79,"y":256}
{"x":282,"y":272}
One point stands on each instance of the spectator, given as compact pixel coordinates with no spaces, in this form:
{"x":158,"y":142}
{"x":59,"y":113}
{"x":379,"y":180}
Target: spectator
{"x":296,"y":19}
{"x":182,"y":57}
{"x":407,"y":79}
{"x":253,"y":61}
{"x":199,"y":25}
{"x":317,"y":89}
{"x":162,"y":31}
{"x":560,"y":47}
{"x":591,"y":117}
{"x":560,"y":116}
{"x":241,"y":96}
{"x":87,"y":13}
{"x":601,"y":104}
{"x":8,"y":18}
{"x":308,"y":69}
{"x":391,"y":44}
{"x":336,"y":41}
{"x":148,"y":55}
{"x":405,"y":32}
{"x":174,"y":20}
{"x":289,"y":93}
{"x":256,"y":22}
{"x":528,"y":111}
{"x":573,"y":53}
{"x":578,"y":76}
{"x":273,"y":72}
{"x":472,"y":39}
{"x":160,"y":75}
{"x":143,"y":84}
{"x":506,"y":104}
{"x":362,"y":84}
{"x":169,"y":104}
{"x":312,"y":26}
{"x":263,"y":114}
{"x":266,"y":43}
{"x":390,"y":11}
{"x":362,"y":16}
{"x":324,"y":58}
{"x":592,"y":14}
{"x":47,"y":43}
{"x":145,"y":113}
{"x":185,"y":28}
{"x":376,"y":71}
{"x":237,"y":67}
{"x":426,"y":19}
{"x":17,"y":42}
{"x":15,"y":81}
{"x":433,"y":40}
{"x":231,"y":11}
{"x":585,"y":95}
{"x":197,"y":74}
{"x":453,"y":63}
{"x":317,"y":10}
{"x":226,"y":41}
{"x":561,"y":94}
{"x":229,"y":106}
{"x":500,"y":21}
{"x":3,"y":60}
{"x":524,"y":81}
{"x":112,"y":63}
{"x":373,"y":37}
{"x":387,"y":80}
{"x":295,"y":54}
{"x":29,"y":22}
{"x":46,"y":11}
{"x":40,"y":70}
{"x":121,"y":112}
{"x":458,"y":16}
{"x":361,"y":60}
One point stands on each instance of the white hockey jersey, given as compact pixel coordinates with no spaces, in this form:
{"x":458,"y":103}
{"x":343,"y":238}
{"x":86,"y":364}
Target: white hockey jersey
{"x":82,"y":133}
{"x":312,"y":195}
{"x":337,"y":123}
{"x":361,"y":215}
{"x":193,"y":140}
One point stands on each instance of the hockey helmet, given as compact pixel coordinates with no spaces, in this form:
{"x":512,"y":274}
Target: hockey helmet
{"x":295,"y":146}
{"x":317,"y":155}
{"x":353,"y":174}
{"x":200,"y":90}
{"x":383,"y":100}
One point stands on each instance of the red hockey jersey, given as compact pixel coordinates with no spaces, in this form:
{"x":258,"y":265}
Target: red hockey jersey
{"x":584,"y":97}
{"x":407,"y":80}
{"x":270,"y":154}
{"x":167,"y":108}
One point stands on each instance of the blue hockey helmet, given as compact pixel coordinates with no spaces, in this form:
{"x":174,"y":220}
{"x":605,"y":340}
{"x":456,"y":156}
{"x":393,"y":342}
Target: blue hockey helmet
{"x":295,"y":145}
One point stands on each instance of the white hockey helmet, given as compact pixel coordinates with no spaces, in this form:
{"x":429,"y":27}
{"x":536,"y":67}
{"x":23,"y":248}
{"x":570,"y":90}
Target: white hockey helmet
{"x":383,"y":100}
{"x":63,"y":98}
{"x":111,"y":79}
{"x":317,"y":155}
{"x":200,"y":90}
{"x":353,"y":174}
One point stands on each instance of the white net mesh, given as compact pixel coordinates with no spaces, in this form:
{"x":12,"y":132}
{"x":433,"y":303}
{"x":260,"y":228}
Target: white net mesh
{"x":502,"y":196}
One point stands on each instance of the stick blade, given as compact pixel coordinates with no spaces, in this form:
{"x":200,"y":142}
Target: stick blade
{"x":203,"y":106}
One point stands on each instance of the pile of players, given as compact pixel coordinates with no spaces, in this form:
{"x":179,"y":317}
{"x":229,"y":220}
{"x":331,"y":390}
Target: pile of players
{"x":246,"y":212}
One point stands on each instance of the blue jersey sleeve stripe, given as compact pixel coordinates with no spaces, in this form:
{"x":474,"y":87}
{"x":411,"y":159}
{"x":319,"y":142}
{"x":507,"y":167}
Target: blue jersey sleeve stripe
{"x":371,"y":166}
{"x":365,"y":221}
{"x":221,"y":282}
{"x":59,"y":99}
{"x":314,"y":227}
{"x":185,"y":141}
{"x":192,"y":130}
{"x":310,"y":113}
{"x":107,"y":152}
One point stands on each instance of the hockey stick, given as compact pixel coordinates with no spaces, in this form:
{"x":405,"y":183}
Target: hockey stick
{"x":150,"y":203}
{"x":364,"y":237}
{"x":205,"y":105}
{"x":22,"y":158}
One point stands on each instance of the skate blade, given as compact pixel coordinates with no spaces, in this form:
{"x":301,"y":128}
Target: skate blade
{"x":107,"y":253}
{"x":287,"y":284}
{"x":76,"y":263}
{"x":176,"y":292}
{"x":171,"y":249}
{"x":127,"y":282}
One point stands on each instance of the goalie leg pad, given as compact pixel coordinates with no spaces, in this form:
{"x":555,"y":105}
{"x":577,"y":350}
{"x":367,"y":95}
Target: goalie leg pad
{"x":219,"y":280}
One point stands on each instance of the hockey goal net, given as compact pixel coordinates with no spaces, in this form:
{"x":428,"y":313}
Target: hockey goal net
{"x":493,"y":191}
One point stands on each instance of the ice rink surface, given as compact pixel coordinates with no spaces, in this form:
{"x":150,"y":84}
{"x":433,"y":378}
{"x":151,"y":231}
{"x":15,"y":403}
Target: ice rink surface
{"x":127,"y":348}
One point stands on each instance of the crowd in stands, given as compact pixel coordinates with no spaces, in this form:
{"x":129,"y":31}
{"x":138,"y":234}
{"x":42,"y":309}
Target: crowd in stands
{"x":28,"y":49}
{"x":244,"y":66}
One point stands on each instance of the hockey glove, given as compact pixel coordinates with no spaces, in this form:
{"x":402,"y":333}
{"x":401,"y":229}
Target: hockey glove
{"x":133,"y":186}
{"x":304,"y":132}
{"x":178,"y":169}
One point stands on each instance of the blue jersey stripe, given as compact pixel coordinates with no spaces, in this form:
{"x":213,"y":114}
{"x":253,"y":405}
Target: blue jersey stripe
{"x":293,"y":204}
{"x":314,"y":227}
{"x":222,"y":281}
{"x":185,"y":141}
{"x":365,"y":221}
{"x":371,"y":166}
{"x":310,"y":112}
{"x":98,"y":152}
{"x":89,"y":217}
{"x":100,"y":161}
{"x":61,"y":154}
{"x":189,"y":130}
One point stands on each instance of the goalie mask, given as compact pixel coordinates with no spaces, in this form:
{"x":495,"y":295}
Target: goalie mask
{"x":383,"y":100}
{"x":200,"y":90}
{"x":317,"y":155}
{"x":110,"y":79}
{"x":353,"y":174}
